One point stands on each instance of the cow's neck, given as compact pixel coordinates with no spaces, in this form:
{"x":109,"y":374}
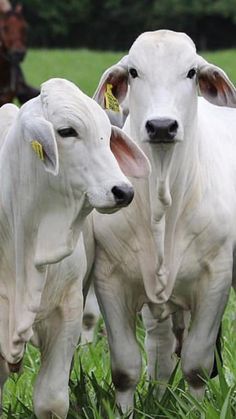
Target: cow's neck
{"x":174,"y":185}
{"x":48,"y":207}
{"x":41,"y":218}
{"x":174,"y":169}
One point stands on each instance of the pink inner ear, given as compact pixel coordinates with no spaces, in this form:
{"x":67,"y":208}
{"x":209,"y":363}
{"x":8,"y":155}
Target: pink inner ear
{"x":207,"y":86}
{"x":119,"y":80}
{"x":216,"y":87}
{"x":121,"y":150}
{"x":222,"y":86}
{"x":214,"y":84}
{"x":130,"y":158}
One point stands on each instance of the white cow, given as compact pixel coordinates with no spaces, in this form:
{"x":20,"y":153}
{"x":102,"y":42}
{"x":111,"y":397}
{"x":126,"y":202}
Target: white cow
{"x":192,"y":211}
{"x":56,"y":165}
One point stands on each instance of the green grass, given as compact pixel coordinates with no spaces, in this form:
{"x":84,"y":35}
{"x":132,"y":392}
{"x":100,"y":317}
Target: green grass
{"x":92,"y":394}
{"x":91,"y":391}
{"x":83,"y":67}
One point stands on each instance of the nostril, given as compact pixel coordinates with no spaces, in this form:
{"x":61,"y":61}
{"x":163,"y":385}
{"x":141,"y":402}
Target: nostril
{"x":118,"y":192}
{"x":161,"y":130}
{"x":150,"y":127}
{"x":123,"y":195}
{"x":173,"y":128}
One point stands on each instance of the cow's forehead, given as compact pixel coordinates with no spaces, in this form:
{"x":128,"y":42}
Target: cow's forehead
{"x":64,"y":102}
{"x":162,"y":46}
{"x":165,"y":35}
{"x":62,"y":94}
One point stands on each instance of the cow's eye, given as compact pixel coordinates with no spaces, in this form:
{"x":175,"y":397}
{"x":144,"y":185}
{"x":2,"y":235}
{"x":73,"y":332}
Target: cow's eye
{"x":133,"y":73}
{"x":191,"y":73}
{"x":67,"y":132}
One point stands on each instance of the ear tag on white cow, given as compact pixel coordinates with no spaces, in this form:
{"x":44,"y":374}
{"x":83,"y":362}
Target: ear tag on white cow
{"x":38,"y":149}
{"x":111,"y":102}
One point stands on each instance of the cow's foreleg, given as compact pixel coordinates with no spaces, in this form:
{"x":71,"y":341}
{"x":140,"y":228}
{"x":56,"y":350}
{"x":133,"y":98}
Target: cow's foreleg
{"x":118,"y":307}
{"x":160,"y":346}
{"x":197,"y":355}
{"x":58,"y":336}
{"x":4,"y":373}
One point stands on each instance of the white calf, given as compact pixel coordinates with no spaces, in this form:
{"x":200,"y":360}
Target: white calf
{"x":190,"y":200}
{"x":56,"y":165}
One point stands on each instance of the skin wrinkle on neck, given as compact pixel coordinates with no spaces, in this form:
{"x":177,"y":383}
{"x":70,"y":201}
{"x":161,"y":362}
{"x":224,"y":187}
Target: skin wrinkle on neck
{"x":174,"y":195}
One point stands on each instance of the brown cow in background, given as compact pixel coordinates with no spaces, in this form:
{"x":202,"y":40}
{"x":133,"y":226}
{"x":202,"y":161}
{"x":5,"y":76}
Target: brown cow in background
{"x":13,"y":30}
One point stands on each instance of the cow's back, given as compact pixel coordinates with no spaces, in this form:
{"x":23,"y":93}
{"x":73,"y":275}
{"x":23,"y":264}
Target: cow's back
{"x":217,"y":149}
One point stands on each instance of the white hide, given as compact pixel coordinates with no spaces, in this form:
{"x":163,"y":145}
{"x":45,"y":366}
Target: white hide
{"x":43,"y":205}
{"x":191,"y":212}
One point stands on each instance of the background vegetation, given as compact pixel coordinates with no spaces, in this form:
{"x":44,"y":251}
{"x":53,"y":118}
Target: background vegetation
{"x":91,"y":391}
{"x":114,"y":24}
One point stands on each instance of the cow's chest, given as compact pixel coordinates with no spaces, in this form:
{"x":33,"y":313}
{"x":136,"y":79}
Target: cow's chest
{"x":197,"y":252}
{"x":61,"y":277}
{"x":121,"y":240}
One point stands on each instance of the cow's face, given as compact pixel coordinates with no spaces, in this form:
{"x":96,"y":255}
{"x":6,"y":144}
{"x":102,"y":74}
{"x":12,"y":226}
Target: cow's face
{"x":165,"y":74}
{"x":84,"y":149}
{"x":162,"y":70}
{"x":13,"y":33}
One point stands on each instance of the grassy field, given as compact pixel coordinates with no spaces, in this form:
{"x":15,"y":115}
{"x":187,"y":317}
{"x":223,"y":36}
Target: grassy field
{"x":92,"y":395}
{"x":83,"y":67}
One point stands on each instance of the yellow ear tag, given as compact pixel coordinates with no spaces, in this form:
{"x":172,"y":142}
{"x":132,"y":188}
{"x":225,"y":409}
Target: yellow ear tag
{"x":38,"y":149}
{"x":111,"y":102}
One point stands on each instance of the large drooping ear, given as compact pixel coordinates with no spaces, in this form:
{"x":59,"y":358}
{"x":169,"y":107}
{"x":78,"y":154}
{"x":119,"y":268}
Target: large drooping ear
{"x":39,"y":133}
{"x":113,"y":86}
{"x":131,"y":159}
{"x":214,"y":84}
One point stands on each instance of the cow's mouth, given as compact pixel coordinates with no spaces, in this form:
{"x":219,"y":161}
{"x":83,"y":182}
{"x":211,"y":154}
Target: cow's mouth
{"x":108,"y":210}
{"x":167,"y":142}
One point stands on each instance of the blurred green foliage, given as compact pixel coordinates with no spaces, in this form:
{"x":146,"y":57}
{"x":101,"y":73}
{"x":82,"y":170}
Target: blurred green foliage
{"x":114,"y":24}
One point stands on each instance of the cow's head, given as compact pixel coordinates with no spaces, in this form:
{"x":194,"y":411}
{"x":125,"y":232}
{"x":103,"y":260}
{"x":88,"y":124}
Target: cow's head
{"x":13,"y":34}
{"x":71,"y":136}
{"x":165,"y":75}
